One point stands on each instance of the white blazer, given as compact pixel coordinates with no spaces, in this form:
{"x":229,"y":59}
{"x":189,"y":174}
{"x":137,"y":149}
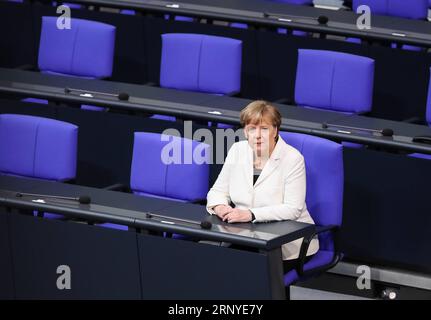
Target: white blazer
{"x":278,"y":194}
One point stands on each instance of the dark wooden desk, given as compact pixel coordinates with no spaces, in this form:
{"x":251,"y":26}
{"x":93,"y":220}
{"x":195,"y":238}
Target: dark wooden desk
{"x":139,"y":263}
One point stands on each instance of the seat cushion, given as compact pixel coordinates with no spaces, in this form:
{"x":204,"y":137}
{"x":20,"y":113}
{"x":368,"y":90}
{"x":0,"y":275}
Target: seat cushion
{"x":321,"y":258}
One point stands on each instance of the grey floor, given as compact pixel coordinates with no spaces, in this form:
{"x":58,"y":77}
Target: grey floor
{"x":298,"y":293}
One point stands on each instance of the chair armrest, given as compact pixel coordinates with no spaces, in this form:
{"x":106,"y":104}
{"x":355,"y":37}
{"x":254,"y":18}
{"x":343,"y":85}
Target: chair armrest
{"x":199,"y":201}
{"x":28,"y":67}
{"x":287,"y":101}
{"x":119,"y":187}
{"x":304,"y":248}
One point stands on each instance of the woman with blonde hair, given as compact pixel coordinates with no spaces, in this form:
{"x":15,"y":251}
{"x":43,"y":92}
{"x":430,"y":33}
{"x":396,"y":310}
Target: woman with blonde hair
{"x":263,"y":179}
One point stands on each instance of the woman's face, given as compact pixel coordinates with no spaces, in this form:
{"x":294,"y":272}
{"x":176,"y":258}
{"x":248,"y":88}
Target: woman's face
{"x":261,"y":136}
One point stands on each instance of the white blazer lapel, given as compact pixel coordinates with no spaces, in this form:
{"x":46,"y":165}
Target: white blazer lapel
{"x":273,"y":162}
{"x":247,"y":165}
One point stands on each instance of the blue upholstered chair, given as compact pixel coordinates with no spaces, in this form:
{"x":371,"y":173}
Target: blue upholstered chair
{"x":86,"y":50}
{"x":151,"y":174}
{"x":184,"y":180}
{"x":325,"y":184}
{"x":201,"y":63}
{"x":379,"y":7}
{"x":71,"y":5}
{"x":196,"y":62}
{"x":334,"y":81}
{"x":36,"y":147}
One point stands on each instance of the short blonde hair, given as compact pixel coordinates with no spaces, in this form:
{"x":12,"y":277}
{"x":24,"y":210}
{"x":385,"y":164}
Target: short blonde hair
{"x":257,"y":110}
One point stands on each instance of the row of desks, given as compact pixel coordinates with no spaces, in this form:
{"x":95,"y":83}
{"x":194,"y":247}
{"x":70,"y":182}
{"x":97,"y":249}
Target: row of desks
{"x":199,"y":106}
{"x":134,"y":264}
{"x":268,"y":13}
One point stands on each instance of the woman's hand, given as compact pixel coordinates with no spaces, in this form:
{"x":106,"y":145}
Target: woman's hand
{"x":237,"y":215}
{"x":222,"y":209}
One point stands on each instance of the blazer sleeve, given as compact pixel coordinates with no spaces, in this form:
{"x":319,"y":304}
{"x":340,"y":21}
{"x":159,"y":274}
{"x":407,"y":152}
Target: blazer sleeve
{"x":293,"y":197}
{"x":219,"y":193}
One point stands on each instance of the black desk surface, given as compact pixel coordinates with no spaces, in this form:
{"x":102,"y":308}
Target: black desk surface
{"x":263,"y":12}
{"x":130,"y":210}
{"x":150,"y":99}
{"x":194,"y":105}
{"x":26,"y":82}
{"x":402,"y":138}
{"x":103,"y":202}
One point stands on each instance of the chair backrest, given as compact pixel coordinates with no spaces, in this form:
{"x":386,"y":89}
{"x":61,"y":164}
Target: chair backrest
{"x":197,"y":62}
{"x":411,"y":9}
{"x":325,"y":179}
{"x":37,"y":147}
{"x":71,"y":5}
{"x":84,"y":50}
{"x":334,"y":81}
{"x":186,"y":179}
